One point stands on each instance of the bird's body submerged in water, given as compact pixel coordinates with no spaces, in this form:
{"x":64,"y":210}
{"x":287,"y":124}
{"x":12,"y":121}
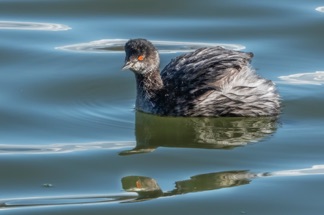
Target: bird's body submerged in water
{"x":207,"y":82}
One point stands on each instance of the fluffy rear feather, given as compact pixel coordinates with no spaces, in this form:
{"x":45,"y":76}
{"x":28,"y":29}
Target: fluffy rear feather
{"x":216,"y":82}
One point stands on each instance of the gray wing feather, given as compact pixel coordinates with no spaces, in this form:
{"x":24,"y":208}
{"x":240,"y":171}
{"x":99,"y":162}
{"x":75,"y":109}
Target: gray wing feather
{"x":194,"y":74}
{"x":203,"y":65}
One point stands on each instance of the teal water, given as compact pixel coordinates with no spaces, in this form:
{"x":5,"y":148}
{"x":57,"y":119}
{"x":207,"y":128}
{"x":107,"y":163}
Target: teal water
{"x":72,"y":143}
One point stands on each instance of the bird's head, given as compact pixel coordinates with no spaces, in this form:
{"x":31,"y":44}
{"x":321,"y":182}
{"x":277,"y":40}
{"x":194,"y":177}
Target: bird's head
{"x":141,"y":56}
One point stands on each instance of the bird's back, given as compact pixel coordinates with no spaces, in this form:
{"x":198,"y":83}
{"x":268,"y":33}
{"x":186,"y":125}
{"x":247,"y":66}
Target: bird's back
{"x":215,"y":82}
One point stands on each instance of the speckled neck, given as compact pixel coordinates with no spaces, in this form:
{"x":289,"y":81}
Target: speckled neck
{"x":149,"y":89}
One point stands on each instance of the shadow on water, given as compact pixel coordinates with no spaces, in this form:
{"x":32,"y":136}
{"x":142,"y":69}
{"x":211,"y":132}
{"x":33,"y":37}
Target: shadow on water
{"x":209,"y":133}
{"x":153,"y":132}
{"x":147,"y":188}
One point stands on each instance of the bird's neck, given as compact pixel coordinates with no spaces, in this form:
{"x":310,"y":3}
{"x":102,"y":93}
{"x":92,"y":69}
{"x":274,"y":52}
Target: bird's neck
{"x":149,"y":89}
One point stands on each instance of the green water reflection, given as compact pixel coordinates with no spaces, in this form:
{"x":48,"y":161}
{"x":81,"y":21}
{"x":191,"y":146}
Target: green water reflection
{"x":147,"y":188}
{"x":209,"y":133}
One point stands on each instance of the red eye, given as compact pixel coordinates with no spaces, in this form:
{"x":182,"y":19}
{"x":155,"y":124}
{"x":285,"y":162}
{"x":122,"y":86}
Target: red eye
{"x":140,"y":58}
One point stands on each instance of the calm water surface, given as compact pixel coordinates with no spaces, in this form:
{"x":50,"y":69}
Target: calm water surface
{"x":71,"y":142}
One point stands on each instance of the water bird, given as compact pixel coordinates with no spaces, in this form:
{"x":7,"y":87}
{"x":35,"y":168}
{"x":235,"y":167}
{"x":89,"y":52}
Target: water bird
{"x":209,"y":82}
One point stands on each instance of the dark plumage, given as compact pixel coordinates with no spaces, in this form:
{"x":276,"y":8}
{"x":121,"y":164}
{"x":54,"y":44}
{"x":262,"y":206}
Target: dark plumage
{"x":207,"y":82}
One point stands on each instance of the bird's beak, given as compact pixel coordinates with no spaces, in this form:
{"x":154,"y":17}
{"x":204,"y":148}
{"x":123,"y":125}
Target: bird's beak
{"x":127,"y":65}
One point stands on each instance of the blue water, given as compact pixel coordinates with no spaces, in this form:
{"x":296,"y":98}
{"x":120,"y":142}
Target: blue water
{"x":72,"y":143}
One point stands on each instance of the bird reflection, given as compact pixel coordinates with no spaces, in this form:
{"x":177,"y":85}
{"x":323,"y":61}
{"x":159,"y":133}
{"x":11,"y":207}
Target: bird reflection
{"x":148,"y":188}
{"x":201,"y":132}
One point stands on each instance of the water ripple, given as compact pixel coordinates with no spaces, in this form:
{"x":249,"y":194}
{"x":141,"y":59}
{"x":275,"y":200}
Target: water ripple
{"x":12,"y":25}
{"x":147,"y":188}
{"x":61,"y":148}
{"x":314,"y":170}
{"x":320,"y":9}
{"x":117,"y":45}
{"x":65,"y":200}
{"x":315,"y":78}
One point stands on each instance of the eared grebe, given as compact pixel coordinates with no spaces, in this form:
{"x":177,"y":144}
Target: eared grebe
{"x":207,"y":82}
